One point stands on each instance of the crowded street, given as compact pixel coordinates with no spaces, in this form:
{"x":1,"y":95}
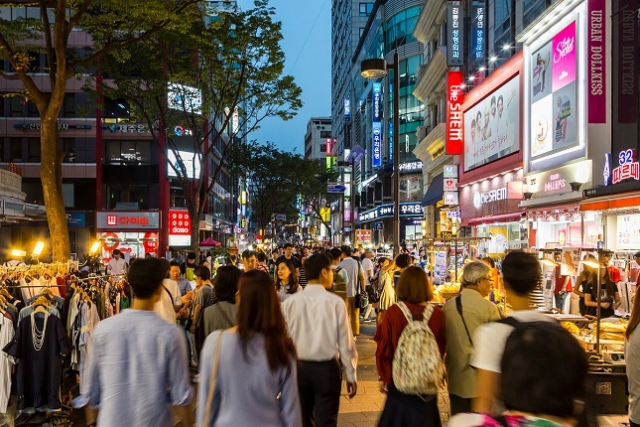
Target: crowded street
{"x":319,"y":213}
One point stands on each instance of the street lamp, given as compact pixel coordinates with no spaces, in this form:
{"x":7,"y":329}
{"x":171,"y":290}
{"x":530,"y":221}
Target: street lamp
{"x":375,"y":69}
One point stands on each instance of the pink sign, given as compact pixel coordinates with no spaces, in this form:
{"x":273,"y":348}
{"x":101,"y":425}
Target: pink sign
{"x":596,"y":52}
{"x":563,"y":57}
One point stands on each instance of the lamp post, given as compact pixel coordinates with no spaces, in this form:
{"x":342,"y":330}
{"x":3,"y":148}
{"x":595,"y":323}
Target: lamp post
{"x":375,"y":69}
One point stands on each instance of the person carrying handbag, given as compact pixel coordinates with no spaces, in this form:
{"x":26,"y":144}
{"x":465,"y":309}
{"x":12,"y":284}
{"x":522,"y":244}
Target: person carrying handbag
{"x":257,"y":351}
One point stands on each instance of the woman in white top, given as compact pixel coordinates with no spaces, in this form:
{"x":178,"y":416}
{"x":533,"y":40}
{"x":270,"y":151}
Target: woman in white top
{"x":286,"y":282}
{"x":632,"y":357}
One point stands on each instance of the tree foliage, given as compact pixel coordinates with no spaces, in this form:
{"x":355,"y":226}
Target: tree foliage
{"x":276,"y":178}
{"x":115,"y":27}
{"x":234,"y":60}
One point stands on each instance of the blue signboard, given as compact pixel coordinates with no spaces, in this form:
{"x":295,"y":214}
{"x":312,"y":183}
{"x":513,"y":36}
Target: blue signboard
{"x":336,"y":188}
{"x":377,"y":102}
{"x":76,"y":219}
{"x":478,"y":32}
{"x":347,"y":110}
{"x":376,"y":146}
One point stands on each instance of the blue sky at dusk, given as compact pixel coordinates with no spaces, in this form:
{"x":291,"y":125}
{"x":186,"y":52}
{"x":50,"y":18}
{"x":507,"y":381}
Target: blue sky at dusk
{"x":310,"y":65}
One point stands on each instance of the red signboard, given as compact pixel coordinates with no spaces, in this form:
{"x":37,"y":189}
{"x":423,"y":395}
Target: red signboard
{"x":455,"y":98}
{"x":328,"y":147}
{"x":179,"y":223}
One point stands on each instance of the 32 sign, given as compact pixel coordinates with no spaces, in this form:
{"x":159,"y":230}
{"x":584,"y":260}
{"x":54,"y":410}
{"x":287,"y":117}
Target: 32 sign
{"x":629,"y":167}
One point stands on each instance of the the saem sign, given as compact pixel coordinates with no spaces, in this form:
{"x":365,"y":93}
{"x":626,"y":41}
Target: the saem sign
{"x":455,"y":98}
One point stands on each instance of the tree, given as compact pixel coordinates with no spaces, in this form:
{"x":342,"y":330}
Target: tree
{"x":231,"y":64}
{"x":276,"y":178}
{"x":115,"y":27}
{"x":314,"y":195}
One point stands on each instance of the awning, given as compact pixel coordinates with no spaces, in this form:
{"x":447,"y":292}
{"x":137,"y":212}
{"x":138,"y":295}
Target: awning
{"x":509,"y":217}
{"x":630,"y":200}
{"x":434,"y":192}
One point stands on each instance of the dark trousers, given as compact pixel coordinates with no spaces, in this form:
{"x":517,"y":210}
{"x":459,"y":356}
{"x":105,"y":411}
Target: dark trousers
{"x":459,"y":405}
{"x":632,"y":424}
{"x":319,"y":385}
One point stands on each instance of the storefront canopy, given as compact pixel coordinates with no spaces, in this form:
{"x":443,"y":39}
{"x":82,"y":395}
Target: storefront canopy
{"x":209,"y":242}
{"x":434,"y":192}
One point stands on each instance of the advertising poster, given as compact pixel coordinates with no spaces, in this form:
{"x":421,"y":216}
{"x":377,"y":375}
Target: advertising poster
{"x":628,"y":232}
{"x":492,"y":128}
{"x":411,"y":188}
{"x":570,"y":261}
{"x":553,"y":93}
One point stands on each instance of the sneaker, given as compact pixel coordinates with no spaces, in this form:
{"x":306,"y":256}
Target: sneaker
{"x":368,"y":321}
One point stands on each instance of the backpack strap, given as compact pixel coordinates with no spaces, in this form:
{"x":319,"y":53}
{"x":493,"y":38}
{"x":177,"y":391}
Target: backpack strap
{"x":509,"y":321}
{"x":426,"y":314}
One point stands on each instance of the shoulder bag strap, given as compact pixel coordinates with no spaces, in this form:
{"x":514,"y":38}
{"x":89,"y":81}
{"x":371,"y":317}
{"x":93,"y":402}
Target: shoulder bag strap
{"x":459,"y":307}
{"x":212,"y":383}
{"x":226,"y":317}
{"x":168,"y":293}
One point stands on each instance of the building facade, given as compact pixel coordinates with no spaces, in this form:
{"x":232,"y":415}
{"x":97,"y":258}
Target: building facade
{"x":318,"y":140}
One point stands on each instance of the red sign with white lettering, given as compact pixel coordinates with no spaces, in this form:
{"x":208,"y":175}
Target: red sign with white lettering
{"x":455,"y":98}
{"x":179,"y":223}
{"x":127,"y":220}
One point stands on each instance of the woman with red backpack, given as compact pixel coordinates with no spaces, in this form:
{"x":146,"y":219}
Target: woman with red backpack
{"x":409,"y":356}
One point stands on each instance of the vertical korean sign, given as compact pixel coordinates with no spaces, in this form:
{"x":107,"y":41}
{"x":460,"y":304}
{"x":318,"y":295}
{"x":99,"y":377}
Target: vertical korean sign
{"x":455,"y":98}
{"x":376,"y":128}
{"x":347,"y":110}
{"x":455,"y":34}
{"x":477,"y":50}
{"x":597,"y":61}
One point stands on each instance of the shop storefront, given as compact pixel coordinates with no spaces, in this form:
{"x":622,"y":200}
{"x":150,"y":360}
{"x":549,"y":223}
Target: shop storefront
{"x":135,"y":234}
{"x":491,"y":209}
{"x":380,"y":221}
{"x":491,"y":177}
{"x":552,"y":203}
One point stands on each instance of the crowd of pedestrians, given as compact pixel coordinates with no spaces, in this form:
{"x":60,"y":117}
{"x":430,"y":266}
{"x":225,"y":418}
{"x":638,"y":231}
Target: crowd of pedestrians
{"x":273,"y":343}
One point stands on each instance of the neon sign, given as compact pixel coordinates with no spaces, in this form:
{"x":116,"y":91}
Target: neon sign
{"x":629,"y":167}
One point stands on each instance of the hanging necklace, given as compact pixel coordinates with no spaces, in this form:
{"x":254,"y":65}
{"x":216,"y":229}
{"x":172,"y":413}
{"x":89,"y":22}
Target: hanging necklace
{"x":37,"y":336}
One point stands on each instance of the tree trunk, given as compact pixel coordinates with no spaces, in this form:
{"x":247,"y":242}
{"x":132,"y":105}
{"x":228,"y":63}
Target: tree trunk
{"x":194,"y":214}
{"x":51,"y":176}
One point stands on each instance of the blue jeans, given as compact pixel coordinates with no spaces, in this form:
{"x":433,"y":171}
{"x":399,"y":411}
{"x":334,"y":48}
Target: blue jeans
{"x":560,"y":300}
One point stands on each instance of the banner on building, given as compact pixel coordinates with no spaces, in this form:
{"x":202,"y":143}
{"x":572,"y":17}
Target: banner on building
{"x":455,"y":34}
{"x":347,"y":110}
{"x":376,"y":146}
{"x":455,"y":98}
{"x":596,"y":56}
{"x":377,"y":102}
{"x":477,"y":49}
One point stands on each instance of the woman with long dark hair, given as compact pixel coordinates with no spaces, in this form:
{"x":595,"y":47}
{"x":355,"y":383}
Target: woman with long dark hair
{"x":608,"y":293}
{"x":286,"y":281}
{"x":632,"y":357}
{"x":252,"y":367}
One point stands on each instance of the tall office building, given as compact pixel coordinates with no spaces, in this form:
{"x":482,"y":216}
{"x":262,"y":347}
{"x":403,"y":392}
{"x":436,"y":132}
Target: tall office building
{"x":348,"y":22}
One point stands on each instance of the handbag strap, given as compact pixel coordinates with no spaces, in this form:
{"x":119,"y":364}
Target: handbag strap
{"x":212,"y":383}
{"x":226,"y":317}
{"x":459,"y":307}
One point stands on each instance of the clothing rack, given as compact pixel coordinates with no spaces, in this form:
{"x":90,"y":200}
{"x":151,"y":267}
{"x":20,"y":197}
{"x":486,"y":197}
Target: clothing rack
{"x":75,"y":279}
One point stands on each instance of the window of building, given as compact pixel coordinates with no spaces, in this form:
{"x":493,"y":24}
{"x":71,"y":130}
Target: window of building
{"x":323,"y":148}
{"x":360,"y":32}
{"x":533,"y":9}
{"x":68,"y":146}
{"x":325,"y":134}
{"x":16,"y":106}
{"x":366,"y":9}
{"x":15,"y":149}
{"x":503,"y":33}
{"x":116,"y":108}
{"x":128,"y":153}
{"x":400,"y":28}
{"x":32,"y":109}
{"x":69,"y":105}
{"x":34,"y":150}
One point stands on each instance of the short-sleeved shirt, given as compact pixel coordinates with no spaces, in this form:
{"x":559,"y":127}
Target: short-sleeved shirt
{"x":169,"y":298}
{"x":138,"y":368}
{"x":367,"y":265}
{"x":353,"y":268}
{"x":489,"y":340}
{"x":204,"y":298}
{"x":184,"y":286}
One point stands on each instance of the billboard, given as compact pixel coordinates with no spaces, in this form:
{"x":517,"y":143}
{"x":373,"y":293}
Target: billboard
{"x":455,"y":98}
{"x":184,"y":98}
{"x":492,"y":126}
{"x":191,"y":163}
{"x":455,"y":34}
{"x":554,"y":94}
{"x":179,"y":228}
{"x":376,"y":150}
{"x":377,"y":102}
{"x":347,"y":110}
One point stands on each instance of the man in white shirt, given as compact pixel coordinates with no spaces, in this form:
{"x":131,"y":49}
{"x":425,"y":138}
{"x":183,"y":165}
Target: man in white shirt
{"x":319,"y":374}
{"x":169,"y":302}
{"x":117,"y":264}
{"x":367,"y":266}
{"x":521,"y":274}
{"x":354,"y":273}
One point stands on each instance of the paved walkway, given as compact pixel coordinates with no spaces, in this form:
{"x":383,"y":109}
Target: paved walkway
{"x":365,"y":408}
